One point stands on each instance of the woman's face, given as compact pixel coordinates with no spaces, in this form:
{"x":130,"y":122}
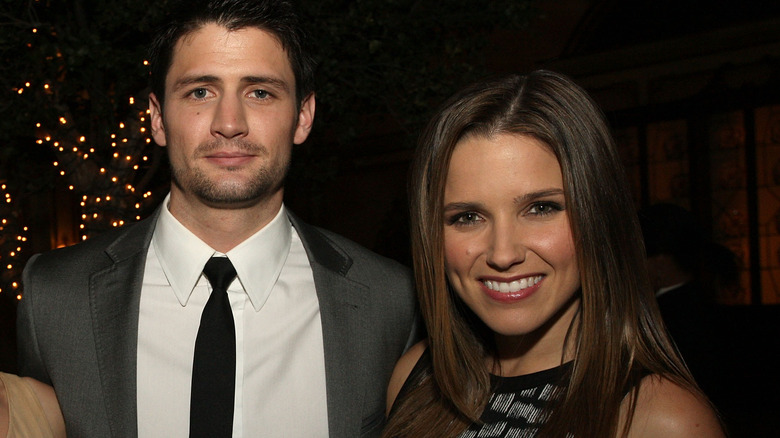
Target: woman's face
{"x":508,"y":245}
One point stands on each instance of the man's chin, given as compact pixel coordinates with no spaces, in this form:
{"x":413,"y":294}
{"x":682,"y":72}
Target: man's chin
{"x":230,"y":193}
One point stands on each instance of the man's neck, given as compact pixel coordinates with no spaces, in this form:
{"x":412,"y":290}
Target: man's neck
{"x":223,"y":228}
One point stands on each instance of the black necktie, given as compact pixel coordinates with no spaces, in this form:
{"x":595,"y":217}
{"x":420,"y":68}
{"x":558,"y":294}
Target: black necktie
{"x":214,"y":363}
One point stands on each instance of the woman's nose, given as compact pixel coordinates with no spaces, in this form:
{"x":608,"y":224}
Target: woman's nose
{"x":505,"y":247}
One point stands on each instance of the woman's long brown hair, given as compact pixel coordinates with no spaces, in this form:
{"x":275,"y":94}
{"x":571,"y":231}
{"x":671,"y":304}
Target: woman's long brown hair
{"x":618,"y":337}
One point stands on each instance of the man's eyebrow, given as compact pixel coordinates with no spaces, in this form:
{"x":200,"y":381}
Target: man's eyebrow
{"x":268,"y":80}
{"x":194,"y":79}
{"x":207,"y":79}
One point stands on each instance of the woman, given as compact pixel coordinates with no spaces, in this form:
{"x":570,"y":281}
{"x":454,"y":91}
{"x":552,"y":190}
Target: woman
{"x":531,"y":278}
{"x":28,"y":408}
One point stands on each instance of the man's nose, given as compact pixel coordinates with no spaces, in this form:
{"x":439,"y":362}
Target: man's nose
{"x":230,"y":118}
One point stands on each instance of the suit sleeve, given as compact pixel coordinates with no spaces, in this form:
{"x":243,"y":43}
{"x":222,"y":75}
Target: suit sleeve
{"x":29,"y":359}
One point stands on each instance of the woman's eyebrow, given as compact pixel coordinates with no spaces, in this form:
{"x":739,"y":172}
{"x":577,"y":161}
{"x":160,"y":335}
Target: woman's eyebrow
{"x":522,"y":199}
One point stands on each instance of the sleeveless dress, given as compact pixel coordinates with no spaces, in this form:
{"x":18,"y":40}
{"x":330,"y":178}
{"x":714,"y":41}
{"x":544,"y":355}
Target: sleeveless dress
{"x":25,"y":413}
{"x":516,"y":408}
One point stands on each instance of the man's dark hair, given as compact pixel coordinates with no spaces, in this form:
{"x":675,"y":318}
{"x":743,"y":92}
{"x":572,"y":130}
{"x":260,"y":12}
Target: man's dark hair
{"x":277,"y":17}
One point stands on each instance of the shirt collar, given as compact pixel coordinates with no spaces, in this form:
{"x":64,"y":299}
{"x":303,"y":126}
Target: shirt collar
{"x":666,"y":289}
{"x":258,"y":260}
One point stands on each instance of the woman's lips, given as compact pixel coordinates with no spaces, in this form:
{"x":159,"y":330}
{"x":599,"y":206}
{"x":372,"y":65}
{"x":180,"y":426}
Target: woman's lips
{"x":511,"y":290}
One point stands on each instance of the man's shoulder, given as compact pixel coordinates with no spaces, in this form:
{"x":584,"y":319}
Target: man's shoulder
{"x":355,"y":258}
{"x":92,"y":250}
{"x":358,"y":251}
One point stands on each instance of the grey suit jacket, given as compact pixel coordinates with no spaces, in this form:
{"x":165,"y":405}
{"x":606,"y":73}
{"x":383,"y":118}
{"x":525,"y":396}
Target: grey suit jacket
{"x":78,"y":325}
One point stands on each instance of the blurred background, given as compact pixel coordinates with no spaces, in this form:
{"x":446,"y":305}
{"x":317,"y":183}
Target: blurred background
{"x":690,"y":87}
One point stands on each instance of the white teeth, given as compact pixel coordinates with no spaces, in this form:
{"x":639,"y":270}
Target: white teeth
{"x":513,"y":286}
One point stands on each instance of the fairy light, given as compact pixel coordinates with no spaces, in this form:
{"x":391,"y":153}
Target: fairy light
{"x":117,"y":174}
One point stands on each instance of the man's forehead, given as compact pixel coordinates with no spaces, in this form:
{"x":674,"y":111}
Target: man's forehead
{"x":187,"y":38}
{"x":213,"y":44}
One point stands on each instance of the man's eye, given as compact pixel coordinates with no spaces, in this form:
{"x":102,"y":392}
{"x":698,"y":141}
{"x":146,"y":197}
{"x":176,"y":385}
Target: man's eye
{"x":200,"y":93}
{"x":260,"y":94}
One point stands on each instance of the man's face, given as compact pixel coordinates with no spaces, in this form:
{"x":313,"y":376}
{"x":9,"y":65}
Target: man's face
{"x":230,"y":117}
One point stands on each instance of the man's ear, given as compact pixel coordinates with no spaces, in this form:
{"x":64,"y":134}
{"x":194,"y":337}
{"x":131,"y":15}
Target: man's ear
{"x":305,"y":119}
{"x":158,"y":127}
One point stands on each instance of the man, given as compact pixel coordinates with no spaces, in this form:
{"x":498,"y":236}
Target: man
{"x":678,"y":257}
{"x":319,"y":322}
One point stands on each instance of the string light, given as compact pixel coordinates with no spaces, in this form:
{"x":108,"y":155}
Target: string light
{"x":108,"y":198}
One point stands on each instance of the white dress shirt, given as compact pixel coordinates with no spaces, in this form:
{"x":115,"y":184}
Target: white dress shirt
{"x":280,"y":369}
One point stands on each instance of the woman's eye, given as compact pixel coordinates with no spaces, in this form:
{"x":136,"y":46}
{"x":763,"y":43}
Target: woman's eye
{"x":467,"y":218}
{"x":545,"y":208}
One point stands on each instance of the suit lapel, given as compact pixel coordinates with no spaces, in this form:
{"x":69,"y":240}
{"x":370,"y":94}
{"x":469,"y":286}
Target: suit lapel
{"x":343,"y":324}
{"x":115,"y":293}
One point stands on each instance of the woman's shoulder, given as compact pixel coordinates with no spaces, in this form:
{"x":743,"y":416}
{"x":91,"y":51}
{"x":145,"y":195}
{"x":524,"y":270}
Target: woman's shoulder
{"x":50,"y":405}
{"x":666,"y":408}
{"x":402,"y":369}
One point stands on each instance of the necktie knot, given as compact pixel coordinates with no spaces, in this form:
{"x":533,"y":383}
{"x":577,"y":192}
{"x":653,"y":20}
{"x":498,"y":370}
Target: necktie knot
{"x":220,"y":272}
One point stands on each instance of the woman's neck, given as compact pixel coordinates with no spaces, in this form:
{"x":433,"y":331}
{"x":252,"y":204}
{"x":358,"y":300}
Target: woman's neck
{"x":539,"y":350}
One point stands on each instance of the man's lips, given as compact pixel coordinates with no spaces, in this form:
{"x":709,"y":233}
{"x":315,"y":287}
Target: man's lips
{"x":229,"y":159}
